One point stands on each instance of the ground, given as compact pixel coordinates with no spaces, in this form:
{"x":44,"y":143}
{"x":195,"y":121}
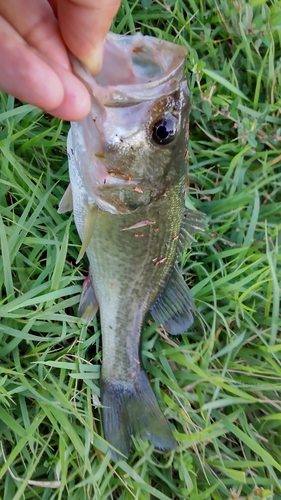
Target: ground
{"x":220,"y":384}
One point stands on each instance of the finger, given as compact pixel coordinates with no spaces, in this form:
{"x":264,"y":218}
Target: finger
{"x":53,"y":4}
{"x":84,"y":25}
{"x":76,"y":102}
{"x":24,"y":75}
{"x":41,"y":82}
{"x":36,"y":23}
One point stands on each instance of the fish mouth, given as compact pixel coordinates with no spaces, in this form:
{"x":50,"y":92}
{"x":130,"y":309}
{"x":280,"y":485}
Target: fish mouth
{"x":135,"y":69}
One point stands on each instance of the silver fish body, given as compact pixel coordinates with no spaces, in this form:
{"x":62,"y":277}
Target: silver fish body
{"x":128,"y":176}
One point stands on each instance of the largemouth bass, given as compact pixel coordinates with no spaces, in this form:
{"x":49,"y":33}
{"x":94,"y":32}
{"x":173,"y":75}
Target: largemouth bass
{"x":128,"y":178}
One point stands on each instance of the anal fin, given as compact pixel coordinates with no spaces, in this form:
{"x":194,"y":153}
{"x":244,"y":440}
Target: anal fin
{"x":88,"y":305}
{"x":174,"y":307}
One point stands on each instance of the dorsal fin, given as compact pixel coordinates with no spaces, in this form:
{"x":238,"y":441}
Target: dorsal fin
{"x":192,"y":223}
{"x":174,"y":307}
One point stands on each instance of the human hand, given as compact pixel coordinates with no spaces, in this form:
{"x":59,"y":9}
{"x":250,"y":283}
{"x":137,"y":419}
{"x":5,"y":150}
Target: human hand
{"x":34,"y":63}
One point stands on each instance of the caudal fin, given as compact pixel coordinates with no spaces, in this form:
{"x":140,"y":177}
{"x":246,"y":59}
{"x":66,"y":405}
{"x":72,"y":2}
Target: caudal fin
{"x":131,"y":409}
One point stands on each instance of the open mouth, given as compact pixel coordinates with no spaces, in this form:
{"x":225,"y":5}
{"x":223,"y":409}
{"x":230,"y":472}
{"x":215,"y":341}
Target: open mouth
{"x":135,"y":69}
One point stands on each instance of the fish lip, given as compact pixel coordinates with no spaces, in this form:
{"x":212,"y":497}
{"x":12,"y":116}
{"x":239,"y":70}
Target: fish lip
{"x":153,"y":87}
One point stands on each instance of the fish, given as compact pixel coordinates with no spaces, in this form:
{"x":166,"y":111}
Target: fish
{"x":128,"y":174}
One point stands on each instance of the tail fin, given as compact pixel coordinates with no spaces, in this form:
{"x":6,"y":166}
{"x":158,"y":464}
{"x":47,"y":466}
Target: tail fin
{"x":131,"y":409}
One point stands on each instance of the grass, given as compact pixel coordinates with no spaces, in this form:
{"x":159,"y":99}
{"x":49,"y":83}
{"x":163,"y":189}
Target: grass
{"x":220,"y":385}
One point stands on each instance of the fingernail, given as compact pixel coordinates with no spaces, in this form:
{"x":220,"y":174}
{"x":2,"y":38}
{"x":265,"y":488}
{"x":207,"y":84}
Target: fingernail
{"x":93,"y":60}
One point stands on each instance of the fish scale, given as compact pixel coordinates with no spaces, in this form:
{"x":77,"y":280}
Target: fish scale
{"x":144,"y":252}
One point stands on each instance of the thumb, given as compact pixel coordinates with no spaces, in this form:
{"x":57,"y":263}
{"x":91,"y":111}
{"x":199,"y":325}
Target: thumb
{"x":84,"y":25}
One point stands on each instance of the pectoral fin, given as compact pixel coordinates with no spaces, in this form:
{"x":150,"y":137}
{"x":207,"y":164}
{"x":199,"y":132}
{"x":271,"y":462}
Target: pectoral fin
{"x":88,"y":305}
{"x":192,"y":223}
{"x":174,"y":308}
{"x":91,"y":218}
{"x":66,"y":203}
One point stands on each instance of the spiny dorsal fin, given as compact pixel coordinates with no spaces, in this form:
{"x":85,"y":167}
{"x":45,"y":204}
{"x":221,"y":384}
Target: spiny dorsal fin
{"x":192,"y":223}
{"x":66,"y":203}
{"x":88,"y":305}
{"x":174,"y":308}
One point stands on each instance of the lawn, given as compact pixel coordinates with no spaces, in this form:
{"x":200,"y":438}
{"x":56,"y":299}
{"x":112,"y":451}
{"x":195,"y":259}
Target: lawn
{"x":219,"y":385}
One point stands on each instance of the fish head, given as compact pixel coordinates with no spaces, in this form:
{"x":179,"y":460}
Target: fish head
{"x":130,"y":149}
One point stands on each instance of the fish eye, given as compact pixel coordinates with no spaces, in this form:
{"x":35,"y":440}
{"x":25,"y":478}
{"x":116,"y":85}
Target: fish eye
{"x":164,"y":130}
